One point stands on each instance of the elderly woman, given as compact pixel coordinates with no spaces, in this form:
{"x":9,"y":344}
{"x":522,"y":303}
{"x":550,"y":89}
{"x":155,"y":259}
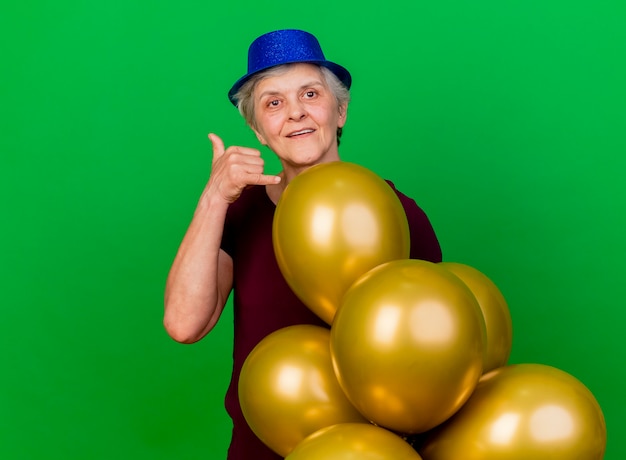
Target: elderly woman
{"x":296,"y":102}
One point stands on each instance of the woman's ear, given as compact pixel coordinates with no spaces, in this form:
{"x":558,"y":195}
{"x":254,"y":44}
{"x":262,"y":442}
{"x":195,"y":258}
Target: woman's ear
{"x":260,"y":137}
{"x":343,"y":115}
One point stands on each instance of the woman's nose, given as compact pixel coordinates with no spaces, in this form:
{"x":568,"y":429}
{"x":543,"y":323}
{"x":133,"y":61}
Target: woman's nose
{"x":297,"y":110}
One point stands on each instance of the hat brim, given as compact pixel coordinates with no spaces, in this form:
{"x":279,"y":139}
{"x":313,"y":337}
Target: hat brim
{"x":339,"y":71}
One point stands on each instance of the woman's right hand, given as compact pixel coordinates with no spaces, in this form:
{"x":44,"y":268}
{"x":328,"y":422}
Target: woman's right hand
{"x":235,"y":168}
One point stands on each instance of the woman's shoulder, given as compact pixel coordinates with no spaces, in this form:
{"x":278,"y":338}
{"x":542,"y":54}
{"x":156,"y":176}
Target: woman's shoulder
{"x":406,"y":200}
{"x":424,"y":242}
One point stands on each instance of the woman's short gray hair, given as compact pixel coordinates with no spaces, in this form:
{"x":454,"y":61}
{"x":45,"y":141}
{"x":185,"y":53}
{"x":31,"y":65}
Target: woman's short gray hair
{"x":245,"y":96}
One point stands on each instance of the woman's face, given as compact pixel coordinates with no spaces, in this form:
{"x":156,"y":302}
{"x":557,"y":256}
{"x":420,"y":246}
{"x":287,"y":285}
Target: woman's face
{"x":297,"y":116}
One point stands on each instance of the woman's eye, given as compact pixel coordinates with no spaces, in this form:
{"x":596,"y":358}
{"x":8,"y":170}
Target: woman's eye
{"x":274,"y":103}
{"x":310,"y":94}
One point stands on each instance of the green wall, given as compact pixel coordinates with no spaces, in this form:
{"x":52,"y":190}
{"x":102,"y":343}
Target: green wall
{"x":505,"y":120}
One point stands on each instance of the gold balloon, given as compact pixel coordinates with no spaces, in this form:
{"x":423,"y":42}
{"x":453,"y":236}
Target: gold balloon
{"x":288,"y":390}
{"x":334,"y":222}
{"x":521,"y":412}
{"x":495,"y":311}
{"x":407,"y":345}
{"x":353,"y":441}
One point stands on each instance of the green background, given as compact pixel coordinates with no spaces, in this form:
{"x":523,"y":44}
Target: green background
{"x":506,"y":121}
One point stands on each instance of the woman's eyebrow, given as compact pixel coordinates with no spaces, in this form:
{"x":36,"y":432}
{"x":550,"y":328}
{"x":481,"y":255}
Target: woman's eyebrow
{"x":312,"y":83}
{"x":274,"y":92}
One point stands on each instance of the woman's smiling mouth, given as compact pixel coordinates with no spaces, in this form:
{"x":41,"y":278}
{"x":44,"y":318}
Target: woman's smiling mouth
{"x":300,"y":132}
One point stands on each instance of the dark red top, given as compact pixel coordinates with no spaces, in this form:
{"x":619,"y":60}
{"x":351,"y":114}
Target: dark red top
{"x":263,"y":301}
